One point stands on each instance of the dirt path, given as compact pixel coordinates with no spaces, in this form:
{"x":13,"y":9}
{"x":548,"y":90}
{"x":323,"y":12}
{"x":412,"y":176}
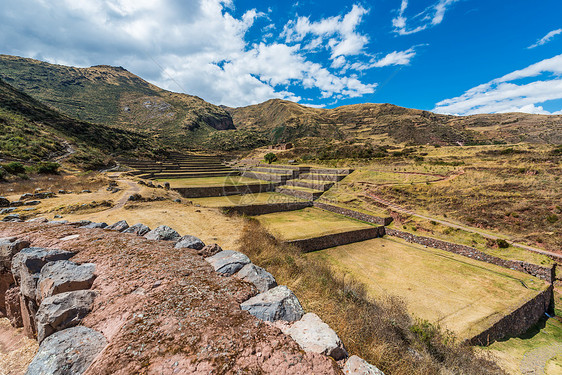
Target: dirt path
{"x":463,"y":227}
{"x":534,"y":361}
{"x":69,"y":151}
{"x":133,"y":189}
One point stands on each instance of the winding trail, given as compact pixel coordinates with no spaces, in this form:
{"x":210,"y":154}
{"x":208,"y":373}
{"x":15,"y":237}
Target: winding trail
{"x":133,"y":189}
{"x":534,"y":361}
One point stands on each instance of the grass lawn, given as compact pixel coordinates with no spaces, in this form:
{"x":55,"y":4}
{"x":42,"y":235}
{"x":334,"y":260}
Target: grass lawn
{"x":211,"y":181}
{"x":246,"y":199}
{"x":463,"y":295}
{"x":308,"y":223}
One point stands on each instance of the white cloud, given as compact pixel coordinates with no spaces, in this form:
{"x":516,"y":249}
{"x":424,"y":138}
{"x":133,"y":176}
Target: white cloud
{"x":430,"y":16}
{"x":503,"y":95}
{"x":396,"y":58}
{"x":545,"y":39}
{"x":198,"y":47}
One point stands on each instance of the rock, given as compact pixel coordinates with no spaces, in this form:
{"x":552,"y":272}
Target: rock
{"x":13,"y":307}
{"x":163,"y":232}
{"x":27,"y":264}
{"x":85,"y":191}
{"x":44,"y":195}
{"x":209,"y":250}
{"x":177,"y":200}
{"x":190,"y":242}
{"x":16,"y":204}
{"x":12,"y":218}
{"x":4,"y":202}
{"x":64,"y":276}
{"x":57,"y":222}
{"x":58,"y":216}
{"x":358,"y":366}
{"x":135,"y":197}
{"x":167,"y":185}
{"x":63,"y":311}
{"x":262,"y":279}
{"x":138,"y":229}
{"x":67,"y":352}
{"x":61,"y":191}
{"x":313,"y":335}
{"x":279,"y":303}
{"x":9,"y":247}
{"x":31,"y":203}
{"x":26,"y":196}
{"x":79,"y":223}
{"x":119,"y":226}
{"x":228,"y":262}
{"x":95,"y":225}
{"x":5,"y":211}
{"x":37,"y":220}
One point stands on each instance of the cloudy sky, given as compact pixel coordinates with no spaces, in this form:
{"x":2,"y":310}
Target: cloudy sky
{"x":449,"y":56}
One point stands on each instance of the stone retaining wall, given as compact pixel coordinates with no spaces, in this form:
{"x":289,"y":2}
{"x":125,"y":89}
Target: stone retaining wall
{"x":354,"y":214}
{"x":262,"y":209}
{"x":218,"y":191}
{"x":337,"y":239}
{"x":546,"y":273}
{"x":518,"y":322}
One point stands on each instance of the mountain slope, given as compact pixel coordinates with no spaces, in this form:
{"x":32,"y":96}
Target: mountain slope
{"x":29,"y":130}
{"x":286,"y":121}
{"x":113,"y":96}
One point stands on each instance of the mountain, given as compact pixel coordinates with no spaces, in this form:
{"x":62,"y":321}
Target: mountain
{"x":115,"y":97}
{"x":31,"y":131}
{"x":285,"y":121}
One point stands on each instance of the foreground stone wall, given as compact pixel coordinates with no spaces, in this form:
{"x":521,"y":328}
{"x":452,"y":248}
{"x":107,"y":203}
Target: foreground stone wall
{"x":262,"y":209}
{"x":217,"y":191}
{"x":337,"y":239}
{"x":518,"y":322}
{"x":546,"y":273}
{"x":354,"y":214}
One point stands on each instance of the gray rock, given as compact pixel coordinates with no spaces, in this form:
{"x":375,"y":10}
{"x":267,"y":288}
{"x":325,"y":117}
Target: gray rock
{"x":279,"y":303}
{"x":262,"y":279}
{"x":177,"y":200}
{"x":95,"y":225}
{"x":57,"y":222}
{"x":67,"y":352}
{"x":27,"y":264}
{"x":9,"y":247}
{"x":85,"y":191}
{"x":26,"y":196}
{"x":163,"y":232}
{"x":358,"y":366}
{"x":167,"y":185}
{"x":5,"y":211}
{"x":313,"y":335}
{"x":37,"y":220}
{"x":64,"y":276}
{"x":138,"y":229}
{"x":79,"y":223}
{"x":12,"y":218}
{"x":4,"y":202}
{"x":63,"y":311}
{"x":61,"y":191}
{"x":16,"y":204}
{"x":190,"y":242}
{"x":228,"y":262}
{"x":31,"y":203}
{"x":119,"y":226}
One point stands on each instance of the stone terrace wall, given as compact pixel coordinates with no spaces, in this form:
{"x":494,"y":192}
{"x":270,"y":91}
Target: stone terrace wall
{"x":217,"y":191}
{"x":354,"y":214}
{"x":262,"y":209}
{"x":337,"y":239}
{"x":518,"y":322}
{"x":542,"y":272}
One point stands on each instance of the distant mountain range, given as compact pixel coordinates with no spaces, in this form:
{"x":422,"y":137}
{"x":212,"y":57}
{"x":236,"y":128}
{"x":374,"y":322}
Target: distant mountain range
{"x":110,"y":110}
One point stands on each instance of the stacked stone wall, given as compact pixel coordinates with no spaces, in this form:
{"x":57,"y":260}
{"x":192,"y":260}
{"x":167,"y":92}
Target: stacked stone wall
{"x":218,"y":191}
{"x":337,"y":239}
{"x":262,"y":209}
{"x":354,"y":214}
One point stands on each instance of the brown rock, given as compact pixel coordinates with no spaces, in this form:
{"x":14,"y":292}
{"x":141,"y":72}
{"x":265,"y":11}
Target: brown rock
{"x":13,"y":308}
{"x":209,"y":250}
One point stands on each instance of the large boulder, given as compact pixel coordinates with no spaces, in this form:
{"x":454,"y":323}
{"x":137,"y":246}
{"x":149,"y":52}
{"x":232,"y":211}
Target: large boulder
{"x":163,"y":232}
{"x":63,"y":311}
{"x":358,"y":366}
{"x":67,"y":352}
{"x":209,"y":250}
{"x":279,"y":303}
{"x":4,"y":202}
{"x":119,"y":226}
{"x":313,"y":335}
{"x":27,"y":264}
{"x":189,"y":242}
{"x":138,"y":229}
{"x":9,"y":247}
{"x":13,"y":307}
{"x":228,"y":262}
{"x":12,"y":218}
{"x":262,"y":279}
{"x":64,"y":276}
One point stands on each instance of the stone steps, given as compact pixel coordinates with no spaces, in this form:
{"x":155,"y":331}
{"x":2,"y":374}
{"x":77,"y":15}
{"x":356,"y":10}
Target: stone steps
{"x":275,"y":177}
{"x":310,"y":184}
{"x":299,"y":192}
{"x":189,"y":174}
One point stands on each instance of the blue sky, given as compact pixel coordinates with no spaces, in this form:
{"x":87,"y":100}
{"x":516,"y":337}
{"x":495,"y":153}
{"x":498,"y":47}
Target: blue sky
{"x":448,"y":56}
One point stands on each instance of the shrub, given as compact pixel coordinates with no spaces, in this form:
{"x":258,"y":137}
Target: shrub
{"x":14,"y":167}
{"x":270,"y":157}
{"x":3,"y":173}
{"x":552,"y":218}
{"x":48,"y":167}
{"x":502,"y":244}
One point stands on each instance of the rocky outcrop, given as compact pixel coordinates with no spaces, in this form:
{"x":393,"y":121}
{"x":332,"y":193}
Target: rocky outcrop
{"x":13,"y":307}
{"x":163,"y":232}
{"x":8,"y":248}
{"x":138,"y":229}
{"x":68,"y":352}
{"x":228,"y":262}
{"x":63,"y":311}
{"x":64,"y":276}
{"x":358,"y":366}
{"x":261,"y":279}
{"x":209,"y":250}
{"x":190,"y":242}
{"x":119,"y":226}
{"x":279,"y":303}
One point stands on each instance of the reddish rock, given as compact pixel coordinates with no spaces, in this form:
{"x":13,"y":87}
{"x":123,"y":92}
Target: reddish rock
{"x":13,"y":309}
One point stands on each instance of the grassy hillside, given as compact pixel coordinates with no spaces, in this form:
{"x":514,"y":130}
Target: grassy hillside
{"x":284,"y":121}
{"x":30,"y":131}
{"x":113,"y":96}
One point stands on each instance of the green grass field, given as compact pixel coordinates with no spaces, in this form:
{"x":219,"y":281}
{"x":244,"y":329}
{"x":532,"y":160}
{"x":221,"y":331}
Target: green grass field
{"x":461,"y":294}
{"x":308,"y":223}
{"x":246,"y":199}
{"x":211,"y":181}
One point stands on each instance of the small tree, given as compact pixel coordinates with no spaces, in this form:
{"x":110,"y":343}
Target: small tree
{"x":270,"y":157}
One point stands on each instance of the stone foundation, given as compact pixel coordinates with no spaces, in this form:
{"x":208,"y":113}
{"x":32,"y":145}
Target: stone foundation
{"x":218,"y":191}
{"x":354,"y":214}
{"x":337,"y":239}
{"x":262,"y":209}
